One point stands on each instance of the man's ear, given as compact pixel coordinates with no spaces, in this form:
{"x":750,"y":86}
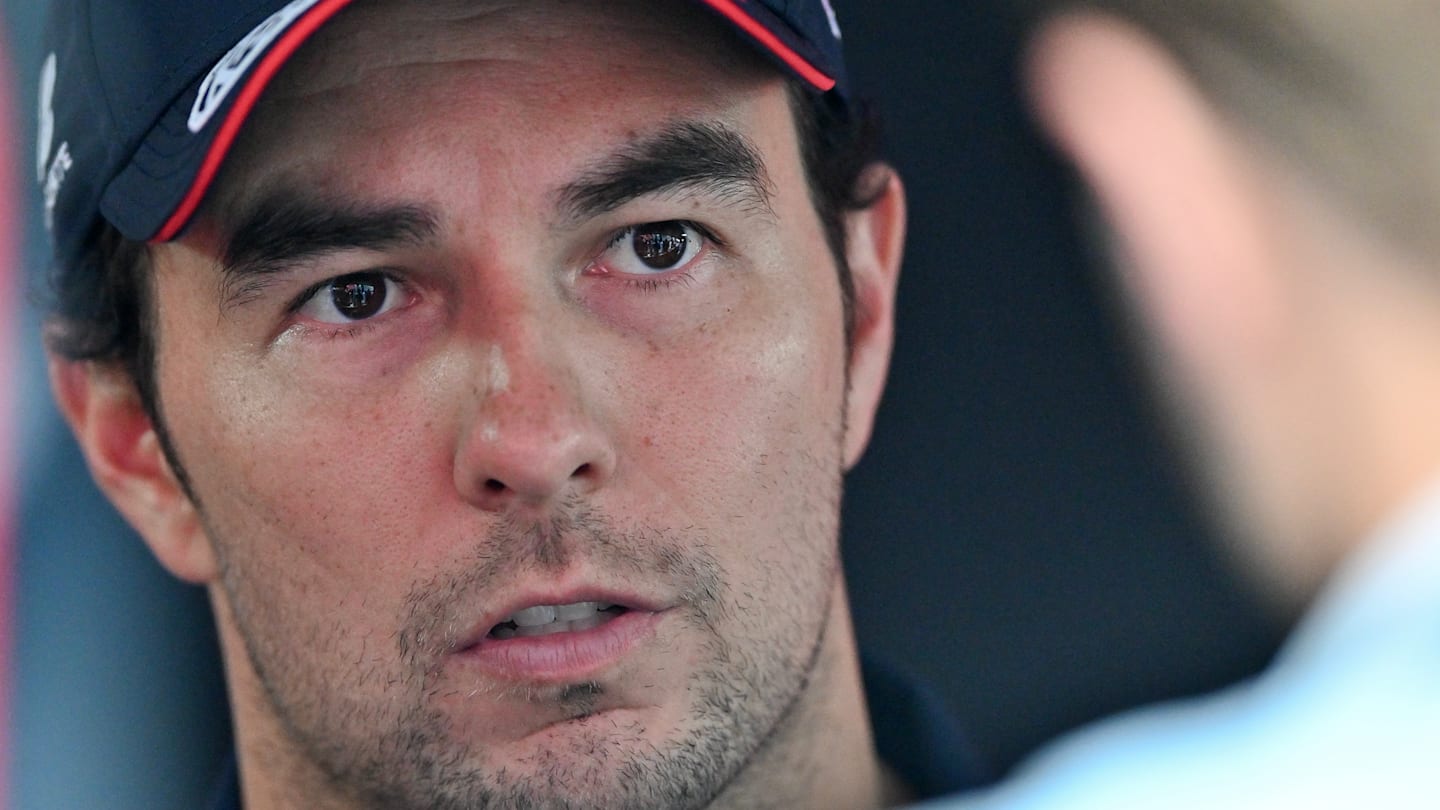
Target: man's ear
{"x":121,"y":447}
{"x":875,"y":245}
{"x":1177,"y":182}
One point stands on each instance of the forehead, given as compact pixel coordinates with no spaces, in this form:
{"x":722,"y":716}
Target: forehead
{"x":386,"y":78}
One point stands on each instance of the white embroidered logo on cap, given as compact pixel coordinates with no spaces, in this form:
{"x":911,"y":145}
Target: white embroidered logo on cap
{"x":51,"y":174}
{"x":226,"y":74}
{"x":834,"y":21}
{"x":47,"y":117}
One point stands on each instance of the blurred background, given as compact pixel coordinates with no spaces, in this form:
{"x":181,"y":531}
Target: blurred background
{"x":1018,"y":533}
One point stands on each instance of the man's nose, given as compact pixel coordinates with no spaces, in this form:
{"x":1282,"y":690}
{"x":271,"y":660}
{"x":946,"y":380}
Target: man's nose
{"x":531,"y":436}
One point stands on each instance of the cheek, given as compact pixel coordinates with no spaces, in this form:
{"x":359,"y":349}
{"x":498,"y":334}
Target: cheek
{"x":728,"y":418}
{"x":743,"y":410}
{"x":760,"y":472}
{"x":318,"y":481}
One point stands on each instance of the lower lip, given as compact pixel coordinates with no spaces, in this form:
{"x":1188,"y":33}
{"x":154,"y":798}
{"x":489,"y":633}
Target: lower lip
{"x":564,"y":657}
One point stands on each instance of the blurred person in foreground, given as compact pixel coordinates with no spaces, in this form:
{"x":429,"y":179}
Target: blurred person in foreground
{"x":495,"y":368}
{"x":1268,"y":172}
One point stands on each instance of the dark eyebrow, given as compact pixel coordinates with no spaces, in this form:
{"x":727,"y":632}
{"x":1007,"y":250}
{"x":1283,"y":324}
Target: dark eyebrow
{"x":704,"y":156}
{"x":286,"y":229}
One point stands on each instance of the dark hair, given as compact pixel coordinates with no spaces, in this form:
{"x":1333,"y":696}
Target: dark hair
{"x":838,"y":145}
{"x":103,"y":311}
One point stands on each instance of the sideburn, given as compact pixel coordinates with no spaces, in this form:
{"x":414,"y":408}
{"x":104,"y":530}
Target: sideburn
{"x":141,"y":363}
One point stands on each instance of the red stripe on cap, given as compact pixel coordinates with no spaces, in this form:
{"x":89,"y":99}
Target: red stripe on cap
{"x":270,"y":64}
{"x":807,"y":71}
{"x":299,"y":32}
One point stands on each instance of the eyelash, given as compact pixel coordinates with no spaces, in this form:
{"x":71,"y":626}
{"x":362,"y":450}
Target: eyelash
{"x":650,"y":284}
{"x":683,"y":279}
{"x":336,"y":331}
{"x":622,"y":232}
{"x":310,"y":292}
{"x":646,"y":284}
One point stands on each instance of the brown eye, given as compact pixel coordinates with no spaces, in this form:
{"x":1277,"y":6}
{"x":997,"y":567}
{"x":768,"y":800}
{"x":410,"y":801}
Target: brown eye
{"x":664,"y":250}
{"x":353,"y":297}
{"x":359,"y":296}
{"x":661,"y":245}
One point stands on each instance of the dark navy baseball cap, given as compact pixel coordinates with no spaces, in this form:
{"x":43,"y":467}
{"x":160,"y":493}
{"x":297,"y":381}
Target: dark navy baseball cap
{"x":141,"y":100}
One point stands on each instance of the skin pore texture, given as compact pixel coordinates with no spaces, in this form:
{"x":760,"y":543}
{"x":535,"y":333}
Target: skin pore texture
{"x":530,"y":415}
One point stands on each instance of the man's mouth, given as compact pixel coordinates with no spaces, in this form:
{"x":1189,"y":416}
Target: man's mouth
{"x":544,"y":620}
{"x":544,"y":637}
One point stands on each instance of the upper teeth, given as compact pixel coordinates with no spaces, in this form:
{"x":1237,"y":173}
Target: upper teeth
{"x":545,"y":614}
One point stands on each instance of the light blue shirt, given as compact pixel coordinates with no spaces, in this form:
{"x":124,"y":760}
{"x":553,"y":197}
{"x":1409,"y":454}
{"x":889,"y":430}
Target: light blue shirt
{"x":1348,"y":715}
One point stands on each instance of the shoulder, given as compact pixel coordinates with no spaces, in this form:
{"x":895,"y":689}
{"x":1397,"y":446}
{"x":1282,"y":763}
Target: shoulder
{"x":1280,"y":741}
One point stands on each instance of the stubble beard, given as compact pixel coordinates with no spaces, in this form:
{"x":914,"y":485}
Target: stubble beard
{"x":400,"y":751}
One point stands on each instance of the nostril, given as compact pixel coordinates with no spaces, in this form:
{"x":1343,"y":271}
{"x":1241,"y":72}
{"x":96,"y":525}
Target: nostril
{"x":524,"y":475}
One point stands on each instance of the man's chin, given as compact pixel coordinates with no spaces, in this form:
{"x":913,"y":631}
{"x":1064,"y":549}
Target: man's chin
{"x":603,"y":757}
{"x":561,"y":716}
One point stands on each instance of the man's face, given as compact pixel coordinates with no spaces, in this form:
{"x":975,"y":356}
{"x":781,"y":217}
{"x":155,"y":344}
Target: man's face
{"x":497,"y":310}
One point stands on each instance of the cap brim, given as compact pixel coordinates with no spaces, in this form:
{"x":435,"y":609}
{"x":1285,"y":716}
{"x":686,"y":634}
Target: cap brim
{"x":158,"y":192}
{"x":776,"y":38}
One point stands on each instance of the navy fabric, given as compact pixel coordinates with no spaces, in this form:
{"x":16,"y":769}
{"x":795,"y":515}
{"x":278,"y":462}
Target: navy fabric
{"x":227,"y":788}
{"x":124,"y":77}
{"x":914,"y":733}
{"x":119,"y":66}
